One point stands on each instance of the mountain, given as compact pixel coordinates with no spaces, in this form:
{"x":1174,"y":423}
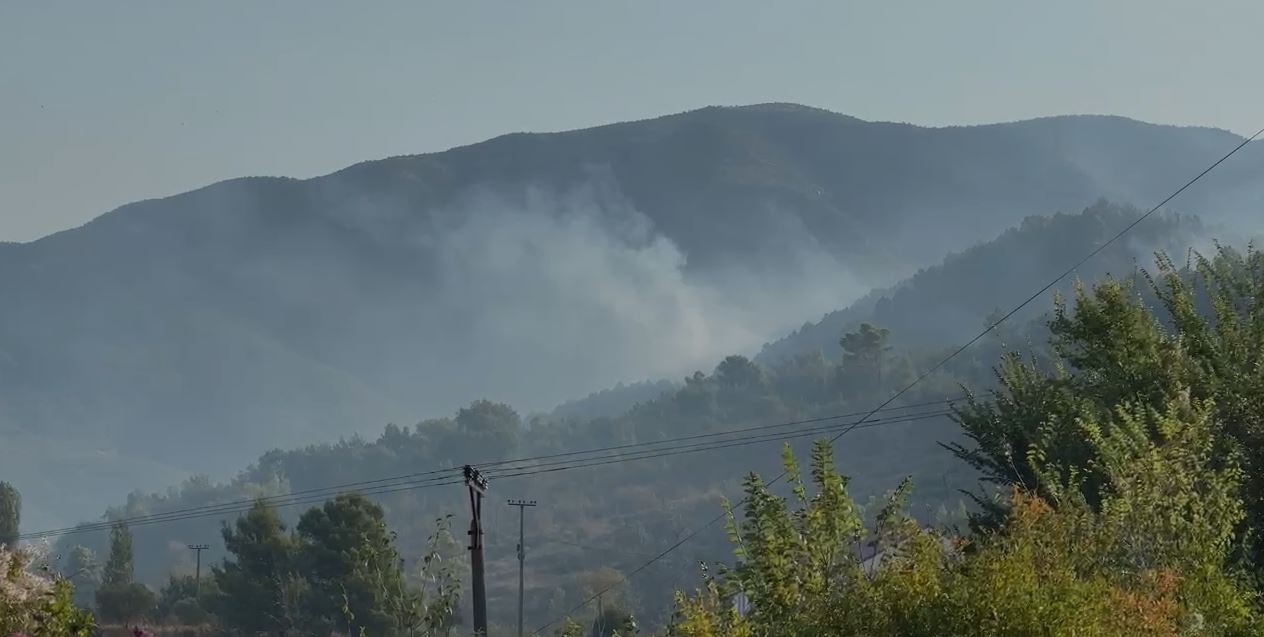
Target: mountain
{"x":951,"y":302}
{"x":185,"y":334}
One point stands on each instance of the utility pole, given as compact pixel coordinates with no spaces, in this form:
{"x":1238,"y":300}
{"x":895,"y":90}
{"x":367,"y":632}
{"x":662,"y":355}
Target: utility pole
{"x":198,"y":573}
{"x":522,"y":551}
{"x":477,"y":486}
{"x":601,"y":615}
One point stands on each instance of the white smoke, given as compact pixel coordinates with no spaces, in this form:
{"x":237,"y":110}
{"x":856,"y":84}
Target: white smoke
{"x":549,"y":296}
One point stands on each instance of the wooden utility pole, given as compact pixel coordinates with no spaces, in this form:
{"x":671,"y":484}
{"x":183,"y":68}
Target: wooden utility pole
{"x":522,"y":551}
{"x":477,"y":486}
{"x":198,"y":569}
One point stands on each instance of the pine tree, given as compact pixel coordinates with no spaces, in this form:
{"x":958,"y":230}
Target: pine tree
{"x":118,"y":567}
{"x":349,"y":553}
{"x":259,"y":591}
{"x":120,"y":597}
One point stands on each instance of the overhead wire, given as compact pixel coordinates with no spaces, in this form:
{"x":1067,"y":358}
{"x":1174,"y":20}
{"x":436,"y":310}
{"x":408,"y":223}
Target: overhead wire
{"x":521,"y":468}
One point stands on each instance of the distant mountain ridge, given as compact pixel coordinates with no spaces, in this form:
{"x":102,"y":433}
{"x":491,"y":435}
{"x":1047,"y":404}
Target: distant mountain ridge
{"x":951,"y":302}
{"x":189,"y":332}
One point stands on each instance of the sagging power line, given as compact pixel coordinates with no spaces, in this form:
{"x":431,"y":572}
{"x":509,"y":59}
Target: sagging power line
{"x":667,"y":447}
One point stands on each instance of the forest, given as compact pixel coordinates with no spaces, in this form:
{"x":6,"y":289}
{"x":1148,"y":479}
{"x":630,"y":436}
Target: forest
{"x":1092,"y":469}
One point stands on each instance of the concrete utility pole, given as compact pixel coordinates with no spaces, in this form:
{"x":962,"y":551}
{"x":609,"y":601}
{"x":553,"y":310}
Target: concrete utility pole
{"x":478,"y":486}
{"x":522,"y":551}
{"x":198,"y":572}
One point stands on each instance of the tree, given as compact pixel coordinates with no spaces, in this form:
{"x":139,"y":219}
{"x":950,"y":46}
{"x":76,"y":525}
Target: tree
{"x":125,"y":602}
{"x":491,"y":428}
{"x":863,"y":355}
{"x":259,"y":590}
{"x":349,"y":555}
{"x":34,"y":604}
{"x":1196,"y":330}
{"x":183,"y":600}
{"x":1152,"y":559}
{"x":10,"y":515}
{"x":611,"y":622}
{"x":739,"y":372}
{"x":84,"y":573}
{"x":120,"y":597}
{"x":432,"y":607}
{"x":118,"y":566}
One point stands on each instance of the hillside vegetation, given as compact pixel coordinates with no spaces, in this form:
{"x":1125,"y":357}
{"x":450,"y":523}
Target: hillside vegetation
{"x":623,"y":513}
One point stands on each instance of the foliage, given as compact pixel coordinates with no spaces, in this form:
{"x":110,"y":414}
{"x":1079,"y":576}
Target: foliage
{"x":259,"y":590}
{"x":10,"y":515}
{"x":35,"y":604}
{"x":125,"y":602}
{"x":185,"y":601}
{"x":1196,"y":330}
{"x":613,"y":622}
{"x":118,"y":566}
{"x":84,"y":573}
{"x":120,"y":598}
{"x":432,"y":606}
{"x":492,"y":428}
{"x":649,"y":497}
{"x":347,"y":554}
{"x":338,"y":572}
{"x":1154,"y":560}
{"x":863,"y":355}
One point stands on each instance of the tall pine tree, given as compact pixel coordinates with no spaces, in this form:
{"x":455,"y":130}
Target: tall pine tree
{"x":260,"y":591}
{"x":118,"y":567}
{"x":120,"y":597}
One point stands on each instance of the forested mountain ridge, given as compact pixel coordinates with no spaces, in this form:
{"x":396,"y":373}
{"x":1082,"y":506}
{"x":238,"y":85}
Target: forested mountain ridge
{"x":969,"y":288}
{"x":187,"y":333}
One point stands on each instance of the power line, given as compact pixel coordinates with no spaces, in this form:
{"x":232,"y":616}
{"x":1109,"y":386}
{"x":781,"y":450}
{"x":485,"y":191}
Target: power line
{"x":514,"y":472}
{"x":211,"y":512}
{"x":440,"y":477}
{"x":792,"y":423}
{"x":727,"y":444}
{"x":932,"y":369}
{"x":330,"y":490}
{"x":597,"y":549}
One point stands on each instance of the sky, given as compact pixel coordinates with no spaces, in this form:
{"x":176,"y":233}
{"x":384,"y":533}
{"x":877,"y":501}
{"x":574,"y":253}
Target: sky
{"x":104,"y":103}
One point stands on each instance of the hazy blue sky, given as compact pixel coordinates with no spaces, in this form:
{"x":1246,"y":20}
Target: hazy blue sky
{"x":102,"y":103}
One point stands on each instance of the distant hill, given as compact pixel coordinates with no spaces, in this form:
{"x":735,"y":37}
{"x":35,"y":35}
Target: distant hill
{"x":188,"y":333}
{"x":951,"y":302}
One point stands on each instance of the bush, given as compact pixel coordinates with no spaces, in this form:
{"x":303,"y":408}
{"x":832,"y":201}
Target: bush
{"x":125,"y":602}
{"x":35,"y":604}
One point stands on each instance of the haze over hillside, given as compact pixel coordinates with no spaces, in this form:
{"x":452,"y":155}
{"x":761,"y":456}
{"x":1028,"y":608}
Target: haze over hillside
{"x":189,"y":333}
{"x":952,"y":301}
{"x":801,"y":381}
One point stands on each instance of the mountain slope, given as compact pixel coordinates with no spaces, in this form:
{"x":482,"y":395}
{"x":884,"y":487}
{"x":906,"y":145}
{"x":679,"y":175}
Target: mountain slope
{"x":951,"y":302}
{"x":192,"y":331}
